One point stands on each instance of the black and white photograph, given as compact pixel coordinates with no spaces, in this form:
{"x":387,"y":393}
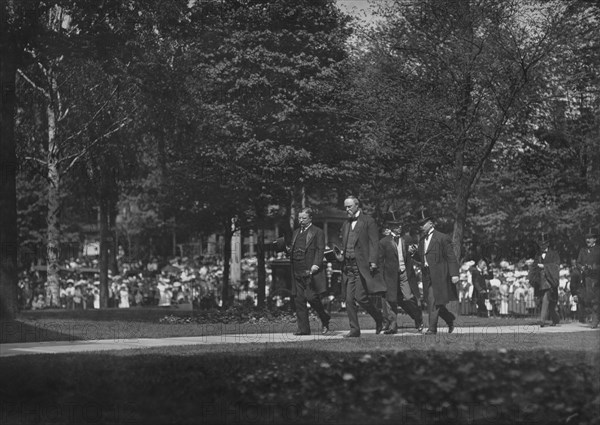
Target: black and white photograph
{"x":300,"y":212}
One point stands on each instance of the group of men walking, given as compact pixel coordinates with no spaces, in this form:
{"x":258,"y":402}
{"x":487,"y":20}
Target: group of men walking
{"x":386,"y":267}
{"x":371,"y":266}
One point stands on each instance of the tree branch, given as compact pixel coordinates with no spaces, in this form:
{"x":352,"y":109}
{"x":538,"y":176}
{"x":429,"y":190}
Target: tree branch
{"x":34,"y":85}
{"x":76,"y":157}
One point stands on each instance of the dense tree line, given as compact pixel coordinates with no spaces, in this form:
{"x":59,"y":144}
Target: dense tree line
{"x":202,"y":116}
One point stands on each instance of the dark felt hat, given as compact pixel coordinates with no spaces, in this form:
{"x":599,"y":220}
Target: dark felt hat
{"x":544,"y":240}
{"x":424,"y":216}
{"x":592,"y":233}
{"x":392,"y":217}
{"x":278,"y":244}
{"x":330,"y":255}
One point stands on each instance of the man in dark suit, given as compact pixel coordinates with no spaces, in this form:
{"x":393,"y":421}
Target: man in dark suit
{"x":361,"y":277}
{"x":588,"y":262}
{"x":399,"y":276}
{"x":548,"y":262}
{"x":308,"y":274}
{"x":440,"y":272}
{"x":479,"y":276}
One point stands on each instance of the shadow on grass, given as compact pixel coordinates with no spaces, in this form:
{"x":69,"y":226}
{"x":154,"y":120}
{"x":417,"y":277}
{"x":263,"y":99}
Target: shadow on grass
{"x":297,"y":385}
{"x":16,"y":331}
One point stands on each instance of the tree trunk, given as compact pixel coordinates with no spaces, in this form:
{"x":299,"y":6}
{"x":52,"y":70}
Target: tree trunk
{"x":53,"y":215}
{"x":104,"y":247}
{"x":114,"y":250}
{"x":8,"y":171}
{"x":226,"y":263}
{"x":260,"y":254}
{"x":460,"y":205}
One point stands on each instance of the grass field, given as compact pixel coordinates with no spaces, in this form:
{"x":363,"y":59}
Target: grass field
{"x":481,"y":377}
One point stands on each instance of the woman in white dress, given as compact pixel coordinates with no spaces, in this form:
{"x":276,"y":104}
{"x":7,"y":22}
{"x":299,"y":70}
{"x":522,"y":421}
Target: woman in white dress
{"x":504,"y":299}
{"x":124,"y":297}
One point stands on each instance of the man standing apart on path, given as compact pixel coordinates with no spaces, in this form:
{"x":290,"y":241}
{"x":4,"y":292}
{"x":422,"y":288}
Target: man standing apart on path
{"x":440,"y":272}
{"x":588,"y":262}
{"x":361,"y":277}
{"x":308,"y":274}
{"x":549,"y":263}
{"x":399,"y":276}
{"x":479,"y":275}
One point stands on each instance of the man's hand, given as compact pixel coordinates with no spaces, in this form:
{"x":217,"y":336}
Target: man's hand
{"x":314,"y":269}
{"x":540,"y":265}
{"x":454,"y":279}
{"x":372,"y":267}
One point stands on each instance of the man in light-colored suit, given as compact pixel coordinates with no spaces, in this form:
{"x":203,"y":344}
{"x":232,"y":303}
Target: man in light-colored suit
{"x":361,"y":277}
{"x":440,"y":272}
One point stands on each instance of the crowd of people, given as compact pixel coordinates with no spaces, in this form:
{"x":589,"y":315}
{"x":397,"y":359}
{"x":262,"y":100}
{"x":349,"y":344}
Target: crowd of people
{"x":182,"y":282}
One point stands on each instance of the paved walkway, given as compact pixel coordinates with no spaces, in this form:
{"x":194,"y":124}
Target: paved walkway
{"x":465,"y":333}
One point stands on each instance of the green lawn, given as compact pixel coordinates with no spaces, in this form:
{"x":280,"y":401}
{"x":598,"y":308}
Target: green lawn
{"x":479,"y":377}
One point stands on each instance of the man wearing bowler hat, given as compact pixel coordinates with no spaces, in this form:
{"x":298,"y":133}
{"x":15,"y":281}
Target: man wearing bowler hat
{"x":588,"y":262}
{"x":440,"y":272}
{"x":548,"y":262}
{"x":399,"y":276}
{"x":361,"y":276}
{"x":308,"y":274}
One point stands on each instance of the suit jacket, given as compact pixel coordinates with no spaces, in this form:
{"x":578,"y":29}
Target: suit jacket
{"x":366,"y":250}
{"x":479,"y":280}
{"x":390,"y":265}
{"x":313,"y":255}
{"x":442,"y":266}
{"x":549,"y":278}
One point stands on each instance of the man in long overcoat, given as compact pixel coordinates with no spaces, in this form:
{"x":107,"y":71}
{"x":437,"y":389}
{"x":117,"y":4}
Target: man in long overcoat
{"x":588,"y":262}
{"x":359,"y":255}
{"x":548,"y":262}
{"x":440,"y":272}
{"x":399,"y":276}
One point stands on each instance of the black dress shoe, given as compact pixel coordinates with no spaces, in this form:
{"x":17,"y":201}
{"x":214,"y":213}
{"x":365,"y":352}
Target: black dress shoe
{"x":352,"y":335}
{"x":391,"y":331}
{"x":451,"y":328}
{"x":430,"y":332}
{"x":378,"y":327}
{"x":301,"y":333}
{"x":420,"y":328}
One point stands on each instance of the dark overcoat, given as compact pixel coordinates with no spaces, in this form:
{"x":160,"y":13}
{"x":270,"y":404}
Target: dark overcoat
{"x":366,"y":250}
{"x":442,"y":266}
{"x":389,"y":263}
{"x":313,"y":255}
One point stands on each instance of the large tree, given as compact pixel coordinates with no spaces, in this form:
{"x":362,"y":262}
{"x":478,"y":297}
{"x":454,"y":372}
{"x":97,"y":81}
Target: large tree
{"x":453,"y":77}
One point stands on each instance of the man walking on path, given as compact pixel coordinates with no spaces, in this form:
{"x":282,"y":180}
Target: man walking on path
{"x":361,"y":277}
{"x":440,"y":272}
{"x":308,"y":274}
{"x":399,"y":277}
{"x":588,"y":262}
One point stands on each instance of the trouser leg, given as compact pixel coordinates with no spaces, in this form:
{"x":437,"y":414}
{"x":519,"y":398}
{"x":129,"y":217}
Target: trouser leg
{"x":351,"y":309}
{"x":300,"y":303}
{"x":317,"y":305}
{"x":390,"y":313}
{"x":362,"y":298}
